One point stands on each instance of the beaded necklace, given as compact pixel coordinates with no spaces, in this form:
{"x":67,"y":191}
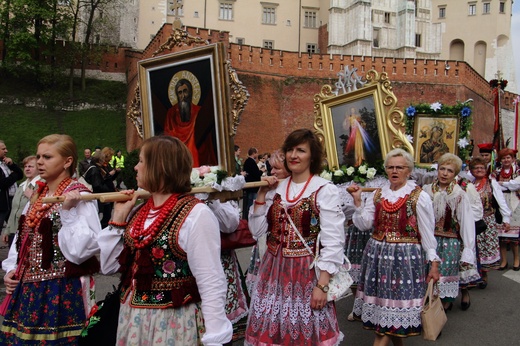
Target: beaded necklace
{"x":390,"y":207}
{"x":480,"y":185}
{"x":297,"y":197}
{"x":506,"y":176}
{"x":142,"y":236}
{"x":38,"y":209}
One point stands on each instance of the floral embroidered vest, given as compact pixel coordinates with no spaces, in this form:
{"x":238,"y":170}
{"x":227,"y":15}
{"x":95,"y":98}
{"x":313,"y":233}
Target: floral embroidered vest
{"x":447,"y":226}
{"x":486,"y":196}
{"x":160,"y":272}
{"x":399,"y":226}
{"x":44,"y":259}
{"x":280,"y":234}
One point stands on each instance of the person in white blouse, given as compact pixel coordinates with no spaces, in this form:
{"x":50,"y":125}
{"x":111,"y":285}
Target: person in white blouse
{"x":454,"y":229}
{"x":52,"y":258}
{"x":487,"y":242}
{"x":21,"y":197}
{"x":288,"y":302}
{"x":168,"y":253}
{"x":393,"y":281}
{"x":508,"y":177}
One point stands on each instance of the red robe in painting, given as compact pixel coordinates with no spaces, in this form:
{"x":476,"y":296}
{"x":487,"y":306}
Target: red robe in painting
{"x":184,"y":130}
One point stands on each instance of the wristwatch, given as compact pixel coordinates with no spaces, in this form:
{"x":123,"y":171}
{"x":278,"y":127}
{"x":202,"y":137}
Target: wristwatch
{"x":324,"y":288}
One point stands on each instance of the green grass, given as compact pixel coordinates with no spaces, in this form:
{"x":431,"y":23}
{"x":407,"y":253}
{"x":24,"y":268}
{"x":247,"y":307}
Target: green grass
{"x":23,"y":127}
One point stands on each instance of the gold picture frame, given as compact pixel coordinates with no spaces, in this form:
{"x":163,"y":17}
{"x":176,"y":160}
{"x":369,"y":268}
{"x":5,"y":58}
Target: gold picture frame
{"x":366,"y":137}
{"x":434,"y":136}
{"x":205,"y":122}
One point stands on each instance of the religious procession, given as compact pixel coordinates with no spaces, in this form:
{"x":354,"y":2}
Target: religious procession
{"x":374,"y":216}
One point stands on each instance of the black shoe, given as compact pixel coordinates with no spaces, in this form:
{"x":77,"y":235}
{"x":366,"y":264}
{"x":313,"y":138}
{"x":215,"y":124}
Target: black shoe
{"x":516,"y":269}
{"x":482,"y":285}
{"x":465,"y":305}
{"x":450,"y":306}
{"x":503,"y":268}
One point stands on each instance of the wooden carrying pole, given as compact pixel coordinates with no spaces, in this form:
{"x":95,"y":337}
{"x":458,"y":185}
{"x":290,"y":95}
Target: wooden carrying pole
{"x":120,"y":197}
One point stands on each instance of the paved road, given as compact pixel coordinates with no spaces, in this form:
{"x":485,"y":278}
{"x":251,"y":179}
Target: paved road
{"x":492,"y":319}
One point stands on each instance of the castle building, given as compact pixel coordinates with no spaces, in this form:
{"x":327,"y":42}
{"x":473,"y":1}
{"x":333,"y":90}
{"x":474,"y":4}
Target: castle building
{"x":477,"y":32}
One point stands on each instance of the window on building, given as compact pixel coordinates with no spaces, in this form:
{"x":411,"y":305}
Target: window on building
{"x":310,"y":19}
{"x":486,"y":7}
{"x":472,"y":9}
{"x":196,"y":14}
{"x":226,"y":11}
{"x":312,"y":48}
{"x":442,"y":12}
{"x":241,"y":40}
{"x":375,"y":38}
{"x":502,"y":8}
{"x":387,"y":17}
{"x":416,"y":7}
{"x":269,"y":15}
{"x":97,"y":39}
{"x":418,"y":40}
{"x":268,"y":44}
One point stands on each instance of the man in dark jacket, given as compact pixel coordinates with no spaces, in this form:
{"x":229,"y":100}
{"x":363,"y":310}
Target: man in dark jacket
{"x":253,"y":173}
{"x":9,"y":174}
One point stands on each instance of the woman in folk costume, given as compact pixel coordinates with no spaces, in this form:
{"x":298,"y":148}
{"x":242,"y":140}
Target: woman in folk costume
{"x":257,"y":252}
{"x":52,"y":255}
{"x":289,"y":304}
{"x":454,"y":228}
{"x":393,"y":272}
{"x":228,"y":216}
{"x":168,"y":253}
{"x":508,"y":177}
{"x":487,"y":242}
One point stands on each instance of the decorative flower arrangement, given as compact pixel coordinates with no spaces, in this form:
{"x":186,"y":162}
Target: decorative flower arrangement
{"x":206,"y":175}
{"x":501,"y":83}
{"x":345,"y":174}
{"x":463,"y":110}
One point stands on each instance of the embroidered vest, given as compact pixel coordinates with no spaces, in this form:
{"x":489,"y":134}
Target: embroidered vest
{"x":44,"y":259}
{"x":486,"y":196}
{"x":280,"y":234}
{"x":160,"y":272}
{"x":399,"y":226}
{"x":447,"y":226}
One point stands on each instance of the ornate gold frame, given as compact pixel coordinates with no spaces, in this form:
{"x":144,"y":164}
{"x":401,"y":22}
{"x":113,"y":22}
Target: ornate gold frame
{"x":232,"y":96}
{"x":389,"y":119}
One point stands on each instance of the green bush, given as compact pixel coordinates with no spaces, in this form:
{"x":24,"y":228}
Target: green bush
{"x":23,"y":127}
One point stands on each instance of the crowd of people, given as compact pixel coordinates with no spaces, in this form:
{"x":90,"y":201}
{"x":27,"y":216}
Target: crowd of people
{"x":178,"y":287}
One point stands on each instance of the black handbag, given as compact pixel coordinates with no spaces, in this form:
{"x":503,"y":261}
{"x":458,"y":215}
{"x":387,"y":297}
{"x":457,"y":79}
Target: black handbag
{"x":101,"y":326}
{"x":480,"y":226}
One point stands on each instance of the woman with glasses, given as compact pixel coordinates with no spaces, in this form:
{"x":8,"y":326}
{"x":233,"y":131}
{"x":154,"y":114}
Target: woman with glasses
{"x":454,"y":230}
{"x":487,"y":241}
{"x":393,"y":271}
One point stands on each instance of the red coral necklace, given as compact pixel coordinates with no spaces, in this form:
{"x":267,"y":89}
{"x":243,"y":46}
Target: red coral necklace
{"x":390,"y":207}
{"x":297,"y":197}
{"x":506,"y":176}
{"x":142,"y":236}
{"x":38,"y":209}
{"x":480,"y":185}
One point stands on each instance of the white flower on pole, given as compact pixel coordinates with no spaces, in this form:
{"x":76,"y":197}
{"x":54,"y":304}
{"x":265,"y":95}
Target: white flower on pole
{"x":436,"y":106}
{"x":463,"y":142}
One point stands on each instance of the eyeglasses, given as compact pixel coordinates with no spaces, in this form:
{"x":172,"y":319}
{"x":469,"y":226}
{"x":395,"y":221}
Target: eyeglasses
{"x":397,"y":168}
